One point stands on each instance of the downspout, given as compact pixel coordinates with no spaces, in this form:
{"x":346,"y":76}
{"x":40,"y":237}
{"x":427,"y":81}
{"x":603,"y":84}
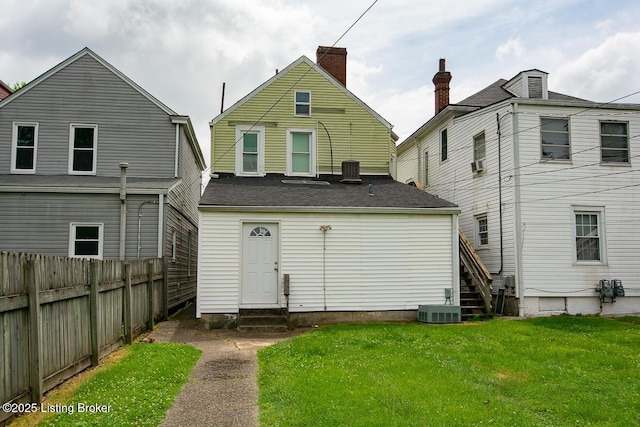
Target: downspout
{"x":160,"y":225}
{"x":123,"y":208}
{"x":518,"y":214}
{"x":175,"y":167}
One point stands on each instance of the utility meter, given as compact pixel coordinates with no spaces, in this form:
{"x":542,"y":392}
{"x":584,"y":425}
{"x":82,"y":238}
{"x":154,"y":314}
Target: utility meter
{"x":618,"y":290}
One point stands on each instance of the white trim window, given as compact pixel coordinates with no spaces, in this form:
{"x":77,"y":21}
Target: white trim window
{"x":83,"y":147}
{"x":250,"y":150}
{"x":482,"y":231}
{"x":425,"y":167}
{"x":444,"y":149}
{"x":479,"y":147}
{"x":86,"y":240}
{"x":555,"y":138}
{"x":301,"y":152}
{"x":588,"y":235}
{"x":24,"y":148}
{"x":614,"y":142}
{"x":302,"y":101}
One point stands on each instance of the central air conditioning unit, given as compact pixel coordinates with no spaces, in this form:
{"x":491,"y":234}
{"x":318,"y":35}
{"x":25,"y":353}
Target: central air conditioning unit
{"x":439,"y":314}
{"x":477,"y":166}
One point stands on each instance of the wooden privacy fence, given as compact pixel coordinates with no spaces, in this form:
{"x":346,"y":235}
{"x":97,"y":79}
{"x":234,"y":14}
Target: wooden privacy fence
{"x":59,"y":316}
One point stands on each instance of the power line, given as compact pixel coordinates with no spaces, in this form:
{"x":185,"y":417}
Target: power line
{"x":199,"y":179}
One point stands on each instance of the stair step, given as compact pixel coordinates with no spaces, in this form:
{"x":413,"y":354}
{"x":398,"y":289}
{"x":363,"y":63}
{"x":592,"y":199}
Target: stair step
{"x":263,"y":328}
{"x":262,"y":320}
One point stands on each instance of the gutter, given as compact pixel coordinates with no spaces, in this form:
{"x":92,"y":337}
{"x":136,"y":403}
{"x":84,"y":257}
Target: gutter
{"x":331,"y":209}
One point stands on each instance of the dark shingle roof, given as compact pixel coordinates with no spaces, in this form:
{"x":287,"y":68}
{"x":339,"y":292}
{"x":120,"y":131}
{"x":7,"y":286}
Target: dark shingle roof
{"x":495,"y":93}
{"x":271,"y":191}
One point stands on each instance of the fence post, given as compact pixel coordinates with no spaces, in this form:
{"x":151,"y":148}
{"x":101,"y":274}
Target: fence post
{"x":128,"y":324}
{"x":32,"y":281}
{"x":150,"y":294}
{"x":93,"y":312}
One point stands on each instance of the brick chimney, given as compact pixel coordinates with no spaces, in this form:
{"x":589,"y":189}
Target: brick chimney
{"x":334,"y":61}
{"x":441,"y":80}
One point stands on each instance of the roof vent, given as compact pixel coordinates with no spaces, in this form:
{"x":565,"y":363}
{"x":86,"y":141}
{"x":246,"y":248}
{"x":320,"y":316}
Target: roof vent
{"x":351,"y":172}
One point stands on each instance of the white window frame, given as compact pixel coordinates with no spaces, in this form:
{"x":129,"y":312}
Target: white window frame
{"x":14,"y":147}
{"x":72,"y":128}
{"x":240,"y":131}
{"x":475,"y":137}
{"x":312,"y":152}
{"x":568,"y":133}
{"x":602,"y":148}
{"x":425,"y":168}
{"x":296,"y":103}
{"x":444,"y":151}
{"x":174,"y":245}
{"x":72,"y":239}
{"x":589,"y":210}
{"x":477,"y":232}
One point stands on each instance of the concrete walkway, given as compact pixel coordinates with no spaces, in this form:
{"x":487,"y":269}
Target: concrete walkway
{"x":222,"y":389}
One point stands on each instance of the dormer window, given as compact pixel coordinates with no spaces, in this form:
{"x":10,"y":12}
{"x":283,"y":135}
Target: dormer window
{"x":535,"y":87}
{"x":302,"y":104}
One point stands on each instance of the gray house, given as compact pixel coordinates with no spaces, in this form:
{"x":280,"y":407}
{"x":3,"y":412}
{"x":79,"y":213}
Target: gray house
{"x":92,"y":165}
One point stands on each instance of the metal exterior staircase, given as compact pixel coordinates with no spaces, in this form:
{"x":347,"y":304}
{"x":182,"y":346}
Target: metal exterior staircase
{"x":475,"y":282}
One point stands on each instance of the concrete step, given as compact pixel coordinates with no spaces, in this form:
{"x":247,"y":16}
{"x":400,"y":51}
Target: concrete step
{"x":263,"y":328}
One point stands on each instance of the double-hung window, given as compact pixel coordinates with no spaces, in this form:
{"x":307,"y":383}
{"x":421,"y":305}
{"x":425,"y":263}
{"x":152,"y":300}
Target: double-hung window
{"x":614,"y":142}
{"x":479,"y":150}
{"x":444,"y":149}
{"x":24,"y":148}
{"x":85,"y":240}
{"x":83,"y":146}
{"x":554,"y":133}
{"x":250,"y":150}
{"x":482,"y":231}
{"x":589,"y":242}
{"x":302,"y":103}
{"x":425,"y":167}
{"x":301,"y":152}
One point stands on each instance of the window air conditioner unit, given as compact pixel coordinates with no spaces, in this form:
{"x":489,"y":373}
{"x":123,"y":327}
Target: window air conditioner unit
{"x":477,"y":166}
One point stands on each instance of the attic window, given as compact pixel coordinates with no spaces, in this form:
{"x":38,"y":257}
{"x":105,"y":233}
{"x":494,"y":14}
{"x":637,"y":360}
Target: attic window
{"x":535,"y":87}
{"x":303,"y":104}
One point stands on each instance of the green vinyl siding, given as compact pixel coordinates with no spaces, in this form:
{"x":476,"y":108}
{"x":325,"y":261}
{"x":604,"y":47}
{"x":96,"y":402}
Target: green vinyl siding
{"x":354,"y":133}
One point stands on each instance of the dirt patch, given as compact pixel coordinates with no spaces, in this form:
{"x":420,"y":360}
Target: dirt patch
{"x":227,"y":369}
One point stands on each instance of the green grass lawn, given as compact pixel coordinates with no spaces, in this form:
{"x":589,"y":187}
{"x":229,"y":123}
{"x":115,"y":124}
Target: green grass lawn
{"x":138,"y":390}
{"x":560,"y":371}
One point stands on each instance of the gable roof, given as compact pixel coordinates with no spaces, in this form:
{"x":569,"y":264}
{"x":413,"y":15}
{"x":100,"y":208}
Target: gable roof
{"x":280,"y":192}
{"x":313,"y":66}
{"x":175,"y":117}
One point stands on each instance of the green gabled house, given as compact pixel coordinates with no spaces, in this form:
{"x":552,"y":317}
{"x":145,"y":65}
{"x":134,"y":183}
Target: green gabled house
{"x":303,"y":216}
{"x":304,"y":104}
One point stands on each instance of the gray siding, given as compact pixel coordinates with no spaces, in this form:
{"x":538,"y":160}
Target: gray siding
{"x":39,"y":222}
{"x":131,"y":128}
{"x":182,"y":270}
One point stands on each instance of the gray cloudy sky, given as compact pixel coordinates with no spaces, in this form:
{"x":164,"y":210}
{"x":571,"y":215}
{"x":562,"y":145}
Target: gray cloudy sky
{"x":182,"y":51}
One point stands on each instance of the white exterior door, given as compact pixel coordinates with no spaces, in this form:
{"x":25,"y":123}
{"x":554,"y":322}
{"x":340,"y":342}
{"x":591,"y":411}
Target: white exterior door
{"x":259,"y":265}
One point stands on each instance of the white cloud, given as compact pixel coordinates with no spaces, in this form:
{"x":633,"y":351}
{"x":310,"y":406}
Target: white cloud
{"x":512,"y":47}
{"x":604,"y":73}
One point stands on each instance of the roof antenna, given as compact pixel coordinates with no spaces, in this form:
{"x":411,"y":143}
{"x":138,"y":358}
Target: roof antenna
{"x":222,"y":101}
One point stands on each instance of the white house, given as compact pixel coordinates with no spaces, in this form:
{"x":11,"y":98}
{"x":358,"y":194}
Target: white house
{"x":284,"y":231}
{"x":548,"y":187}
